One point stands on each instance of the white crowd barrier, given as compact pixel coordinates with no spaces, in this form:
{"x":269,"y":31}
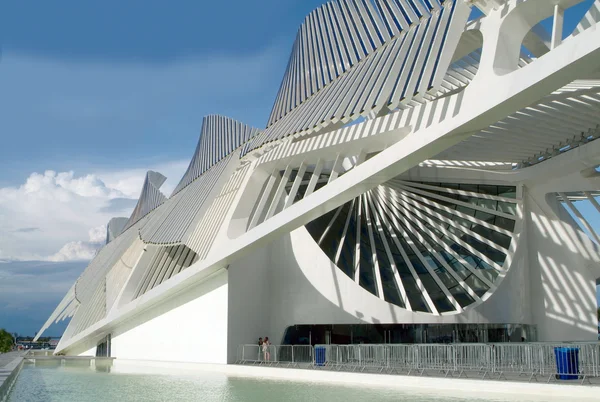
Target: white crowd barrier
{"x":548,"y":361}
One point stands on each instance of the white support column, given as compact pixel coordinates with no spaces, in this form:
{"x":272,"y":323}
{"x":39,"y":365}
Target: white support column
{"x":557,"y":26}
{"x":263,"y":200}
{"x":343,"y":239}
{"x":357,"y":245}
{"x":314,"y":178}
{"x":337,"y":167}
{"x":331,"y":221}
{"x":279,"y":192}
{"x":292,"y":195}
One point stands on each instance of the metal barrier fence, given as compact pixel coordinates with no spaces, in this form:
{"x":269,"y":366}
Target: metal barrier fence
{"x":550,"y":361}
{"x":287,"y":355}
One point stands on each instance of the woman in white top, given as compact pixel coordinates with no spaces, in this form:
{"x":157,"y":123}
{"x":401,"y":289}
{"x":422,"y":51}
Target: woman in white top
{"x":265,"y":349}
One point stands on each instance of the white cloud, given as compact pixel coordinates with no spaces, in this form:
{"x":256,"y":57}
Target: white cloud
{"x":129,"y":182}
{"x":82,"y":250}
{"x":97,"y":234}
{"x":62,"y":216}
{"x":76,"y":251}
{"x":86,"y":186}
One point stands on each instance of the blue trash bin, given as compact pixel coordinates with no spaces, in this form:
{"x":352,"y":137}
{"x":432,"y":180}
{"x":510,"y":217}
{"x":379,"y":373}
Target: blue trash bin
{"x":320,"y":355}
{"x":567,"y":363}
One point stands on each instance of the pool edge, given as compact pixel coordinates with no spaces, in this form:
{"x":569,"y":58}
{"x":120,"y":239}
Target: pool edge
{"x":6,"y":384}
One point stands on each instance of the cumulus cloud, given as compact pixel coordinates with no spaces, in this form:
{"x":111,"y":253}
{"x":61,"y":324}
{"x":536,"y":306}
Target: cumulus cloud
{"x":61,"y":216}
{"x":68,"y":185}
{"x":82,"y":250}
{"x":49,"y":227}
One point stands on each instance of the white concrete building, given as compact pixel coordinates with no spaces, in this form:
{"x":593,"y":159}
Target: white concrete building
{"x":418,"y":181}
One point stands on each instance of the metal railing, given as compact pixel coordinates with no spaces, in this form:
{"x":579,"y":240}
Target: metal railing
{"x":286,"y":355}
{"x":549,"y":361}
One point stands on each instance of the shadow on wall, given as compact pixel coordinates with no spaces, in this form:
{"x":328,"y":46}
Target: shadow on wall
{"x":300,"y":303}
{"x":566,"y":264}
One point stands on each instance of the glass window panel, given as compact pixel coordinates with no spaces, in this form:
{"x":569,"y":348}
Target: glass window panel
{"x":507,"y":192}
{"x":478,"y":286}
{"x":317,"y":227}
{"x":465,"y":210}
{"x":438,"y":297}
{"x":490,"y":190}
{"x":388,"y":282}
{"x":505,"y":223}
{"x":366,"y":274}
{"x":495,"y":255}
{"x":500,"y":239}
{"x":301,"y":192}
{"x":507,"y":207}
{"x":430,"y":256}
{"x":346,"y":262}
{"x":415,"y":297}
{"x":468,"y":187}
{"x":468,"y":200}
{"x":331,"y":241}
{"x":366,"y":277}
{"x":293,"y":175}
{"x":484,"y":216}
{"x":489,"y":204}
{"x":320,"y":183}
{"x":461,"y":296}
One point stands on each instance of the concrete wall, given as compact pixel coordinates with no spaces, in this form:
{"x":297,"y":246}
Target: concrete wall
{"x":306,"y":288}
{"x":249,"y":298}
{"x":191,"y":327}
{"x":563,"y":279}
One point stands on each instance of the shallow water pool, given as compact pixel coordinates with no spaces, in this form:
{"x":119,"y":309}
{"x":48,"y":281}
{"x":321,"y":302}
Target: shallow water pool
{"x":71,"y":384}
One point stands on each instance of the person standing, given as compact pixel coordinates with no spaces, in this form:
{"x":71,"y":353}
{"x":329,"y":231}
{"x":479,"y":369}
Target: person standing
{"x":260,"y":343}
{"x":265,"y":349}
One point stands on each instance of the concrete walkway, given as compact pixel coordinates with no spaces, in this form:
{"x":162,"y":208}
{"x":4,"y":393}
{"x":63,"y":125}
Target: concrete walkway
{"x":10,"y":364}
{"x":6,"y":358}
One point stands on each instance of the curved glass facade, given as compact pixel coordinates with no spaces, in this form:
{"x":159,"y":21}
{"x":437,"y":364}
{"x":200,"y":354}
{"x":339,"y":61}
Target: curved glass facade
{"x":428,"y":247}
{"x":348,"y":334}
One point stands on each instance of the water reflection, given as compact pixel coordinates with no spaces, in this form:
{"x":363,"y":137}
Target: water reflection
{"x":72,"y":384}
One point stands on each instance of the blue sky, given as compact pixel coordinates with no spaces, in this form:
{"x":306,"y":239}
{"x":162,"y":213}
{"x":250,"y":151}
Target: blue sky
{"x":92,"y":94}
{"x":89,"y":85}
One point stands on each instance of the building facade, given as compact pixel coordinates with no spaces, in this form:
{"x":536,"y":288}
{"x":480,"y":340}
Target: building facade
{"x":418,"y":181}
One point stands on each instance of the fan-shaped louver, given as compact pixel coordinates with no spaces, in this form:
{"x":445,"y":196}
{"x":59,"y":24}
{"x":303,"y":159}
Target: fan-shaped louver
{"x":336,"y":36}
{"x":425,"y":247}
{"x":220,"y":136}
{"x":150,"y":198}
{"x":114,"y":228}
{"x":353,"y":58}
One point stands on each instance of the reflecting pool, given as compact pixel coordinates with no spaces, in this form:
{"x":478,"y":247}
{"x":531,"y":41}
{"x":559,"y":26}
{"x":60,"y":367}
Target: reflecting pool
{"x":72,"y":384}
